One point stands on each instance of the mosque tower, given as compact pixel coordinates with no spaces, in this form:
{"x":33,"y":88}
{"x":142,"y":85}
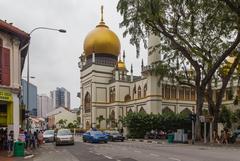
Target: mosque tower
{"x":97,"y":64}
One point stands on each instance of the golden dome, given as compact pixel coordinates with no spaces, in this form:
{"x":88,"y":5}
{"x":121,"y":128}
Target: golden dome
{"x":121,"y":65}
{"x":102,"y":40}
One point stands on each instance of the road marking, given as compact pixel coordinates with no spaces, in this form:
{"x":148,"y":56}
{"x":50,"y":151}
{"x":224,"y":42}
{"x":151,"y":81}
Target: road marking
{"x":137,"y":151}
{"x":108,"y":157}
{"x":174,"y":159}
{"x":154,"y":155}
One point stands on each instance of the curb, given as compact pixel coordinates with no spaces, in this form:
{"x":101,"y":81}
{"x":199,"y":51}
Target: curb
{"x":147,"y":141}
{"x":29,"y":156}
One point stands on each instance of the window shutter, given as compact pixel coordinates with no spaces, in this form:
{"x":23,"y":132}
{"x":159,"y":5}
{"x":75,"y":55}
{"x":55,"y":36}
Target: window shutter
{"x":6,"y":66}
{"x":1,"y":49}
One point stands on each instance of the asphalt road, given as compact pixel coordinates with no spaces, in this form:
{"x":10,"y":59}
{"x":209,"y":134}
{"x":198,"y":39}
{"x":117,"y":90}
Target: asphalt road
{"x":135,"y":151}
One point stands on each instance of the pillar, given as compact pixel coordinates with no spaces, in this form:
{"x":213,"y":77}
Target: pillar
{"x":16,"y":113}
{"x":93,"y":57}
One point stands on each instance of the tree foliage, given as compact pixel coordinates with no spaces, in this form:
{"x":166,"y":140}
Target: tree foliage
{"x":201,"y":33}
{"x":140,"y":123}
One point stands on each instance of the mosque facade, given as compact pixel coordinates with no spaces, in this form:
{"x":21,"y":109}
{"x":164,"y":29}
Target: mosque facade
{"x":109,"y":91}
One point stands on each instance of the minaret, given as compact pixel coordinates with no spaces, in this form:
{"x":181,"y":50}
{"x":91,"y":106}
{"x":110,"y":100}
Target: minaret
{"x":124,"y":56}
{"x":142,"y":65}
{"x":131,"y":73}
{"x":153,"y":49}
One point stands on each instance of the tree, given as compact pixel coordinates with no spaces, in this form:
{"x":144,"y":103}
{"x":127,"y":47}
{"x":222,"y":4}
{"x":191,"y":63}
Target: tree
{"x":197,"y":32}
{"x":62,"y":123}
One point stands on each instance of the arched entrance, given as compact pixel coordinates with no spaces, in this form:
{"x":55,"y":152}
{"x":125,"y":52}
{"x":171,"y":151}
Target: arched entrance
{"x":167,"y":110}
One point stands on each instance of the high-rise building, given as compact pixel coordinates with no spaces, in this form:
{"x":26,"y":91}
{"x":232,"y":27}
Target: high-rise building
{"x":32,"y":97}
{"x":44,"y":105}
{"x":60,"y":97}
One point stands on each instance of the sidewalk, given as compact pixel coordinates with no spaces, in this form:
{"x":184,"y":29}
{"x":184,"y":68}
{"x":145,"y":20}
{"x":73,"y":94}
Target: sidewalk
{"x":4,"y":156}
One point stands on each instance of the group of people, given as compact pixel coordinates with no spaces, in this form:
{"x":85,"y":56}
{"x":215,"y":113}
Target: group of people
{"x":6,"y":140}
{"x":223,"y":138}
{"x":32,"y":140}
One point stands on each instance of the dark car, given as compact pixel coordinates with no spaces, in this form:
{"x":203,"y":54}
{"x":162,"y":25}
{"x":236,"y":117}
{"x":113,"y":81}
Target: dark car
{"x":48,"y":136}
{"x":115,"y":136}
{"x":64,"y":136}
{"x":95,"y":137}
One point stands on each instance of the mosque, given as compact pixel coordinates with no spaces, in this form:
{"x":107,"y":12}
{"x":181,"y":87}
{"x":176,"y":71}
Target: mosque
{"x":109,"y":90}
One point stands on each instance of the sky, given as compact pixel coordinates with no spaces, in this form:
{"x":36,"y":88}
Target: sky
{"x":54,"y":56}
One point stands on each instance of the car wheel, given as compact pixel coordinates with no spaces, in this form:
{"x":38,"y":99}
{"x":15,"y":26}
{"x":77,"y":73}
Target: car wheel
{"x":105,"y":141}
{"x":84,"y":141}
{"x":122,"y":140}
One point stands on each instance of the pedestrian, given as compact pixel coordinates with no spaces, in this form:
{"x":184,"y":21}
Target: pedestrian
{"x":32,"y":140}
{"x":216,"y":137}
{"x":21,"y":136}
{"x":10,"y":141}
{"x":40,"y":138}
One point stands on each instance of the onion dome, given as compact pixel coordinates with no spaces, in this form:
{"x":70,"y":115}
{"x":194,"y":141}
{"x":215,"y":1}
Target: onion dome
{"x":102,"y":40}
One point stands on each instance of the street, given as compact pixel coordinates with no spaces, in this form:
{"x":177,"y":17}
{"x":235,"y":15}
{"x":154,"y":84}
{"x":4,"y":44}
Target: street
{"x":135,"y":151}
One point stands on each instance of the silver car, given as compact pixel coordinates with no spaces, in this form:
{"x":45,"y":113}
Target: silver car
{"x":48,"y":136}
{"x":64,"y":136}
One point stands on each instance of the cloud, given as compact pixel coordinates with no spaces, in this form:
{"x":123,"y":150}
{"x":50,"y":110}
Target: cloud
{"x":54,"y":56}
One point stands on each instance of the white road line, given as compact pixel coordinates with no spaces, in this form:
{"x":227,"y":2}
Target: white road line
{"x":174,"y":159}
{"x":154,"y":155}
{"x":108,"y":157}
{"x":137,"y":151}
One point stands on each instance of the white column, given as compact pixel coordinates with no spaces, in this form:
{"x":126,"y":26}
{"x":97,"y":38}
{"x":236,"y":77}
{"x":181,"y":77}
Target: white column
{"x":116,"y":113}
{"x":15,"y":116}
{"x":93,"y":57}
{"x":131,"y":77}
{"x":116,"y":75}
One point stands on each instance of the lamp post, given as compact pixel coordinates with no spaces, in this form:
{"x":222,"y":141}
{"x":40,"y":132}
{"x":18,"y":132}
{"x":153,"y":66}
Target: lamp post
{"x":28,"y":77}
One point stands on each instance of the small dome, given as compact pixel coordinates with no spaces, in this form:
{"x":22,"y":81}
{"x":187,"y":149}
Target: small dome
{"x":121,"y":65}
{"x":102,"y":40}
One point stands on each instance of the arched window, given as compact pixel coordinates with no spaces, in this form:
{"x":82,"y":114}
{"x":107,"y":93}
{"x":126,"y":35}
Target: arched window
{"x":127,"y":98}
{"x":186,"y":112}
{"x":134,"y":92}
{"x":173,"y":92}
{"x":181,"y":93}
{"x":139,"y":92}
{"x":187,"y":93}
{"x":87,"y":125}
{"x":112,"y":95}
{"x":167,"y":91}
{"x":167,"y":110}
{"x":145,"y":90}
{"x":87,"y":103}
{"x":142,"y":110}
{"x":130,"y":111}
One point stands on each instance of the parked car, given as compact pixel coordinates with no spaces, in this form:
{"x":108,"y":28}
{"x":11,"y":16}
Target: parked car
{"x":114,"y":136}
{"x":64,"y":136}
{"x":95,"y":137}
{"x":48,"y":136}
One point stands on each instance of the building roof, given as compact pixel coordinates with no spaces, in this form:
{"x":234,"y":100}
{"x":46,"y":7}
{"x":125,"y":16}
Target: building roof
{"x":23,"y":37}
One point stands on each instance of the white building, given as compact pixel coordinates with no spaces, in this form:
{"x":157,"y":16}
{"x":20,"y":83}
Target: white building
{"x":60,"y":113}
{"x":61,"y":98}
{"x":45,"y":105}
{"x":13,"y":50}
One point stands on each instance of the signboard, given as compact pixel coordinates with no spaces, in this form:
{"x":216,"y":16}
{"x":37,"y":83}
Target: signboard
{"x":206,"y":118}
{"x":5,"y":96}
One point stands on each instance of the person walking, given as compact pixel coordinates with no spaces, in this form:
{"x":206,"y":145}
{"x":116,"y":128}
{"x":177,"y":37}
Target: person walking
{"x":40,"y":138}
{"x":10,"y":142}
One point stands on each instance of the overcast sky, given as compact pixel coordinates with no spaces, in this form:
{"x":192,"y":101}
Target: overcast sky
{"x":53,"y":55}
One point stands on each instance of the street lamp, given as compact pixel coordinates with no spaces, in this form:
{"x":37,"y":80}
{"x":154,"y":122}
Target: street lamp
{"x":28,"y":77}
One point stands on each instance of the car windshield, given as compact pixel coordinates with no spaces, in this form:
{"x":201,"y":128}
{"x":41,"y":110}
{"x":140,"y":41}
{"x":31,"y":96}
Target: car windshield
{"x":96,"y":133}
{"x":49,"y":132}
{"x":64,"y":132}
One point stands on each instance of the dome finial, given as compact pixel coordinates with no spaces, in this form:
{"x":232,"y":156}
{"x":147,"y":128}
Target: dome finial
{"x":101,"y":13}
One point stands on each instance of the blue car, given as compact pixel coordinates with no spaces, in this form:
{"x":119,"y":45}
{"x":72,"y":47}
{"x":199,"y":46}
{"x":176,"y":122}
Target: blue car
{"x":95,"y":137}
